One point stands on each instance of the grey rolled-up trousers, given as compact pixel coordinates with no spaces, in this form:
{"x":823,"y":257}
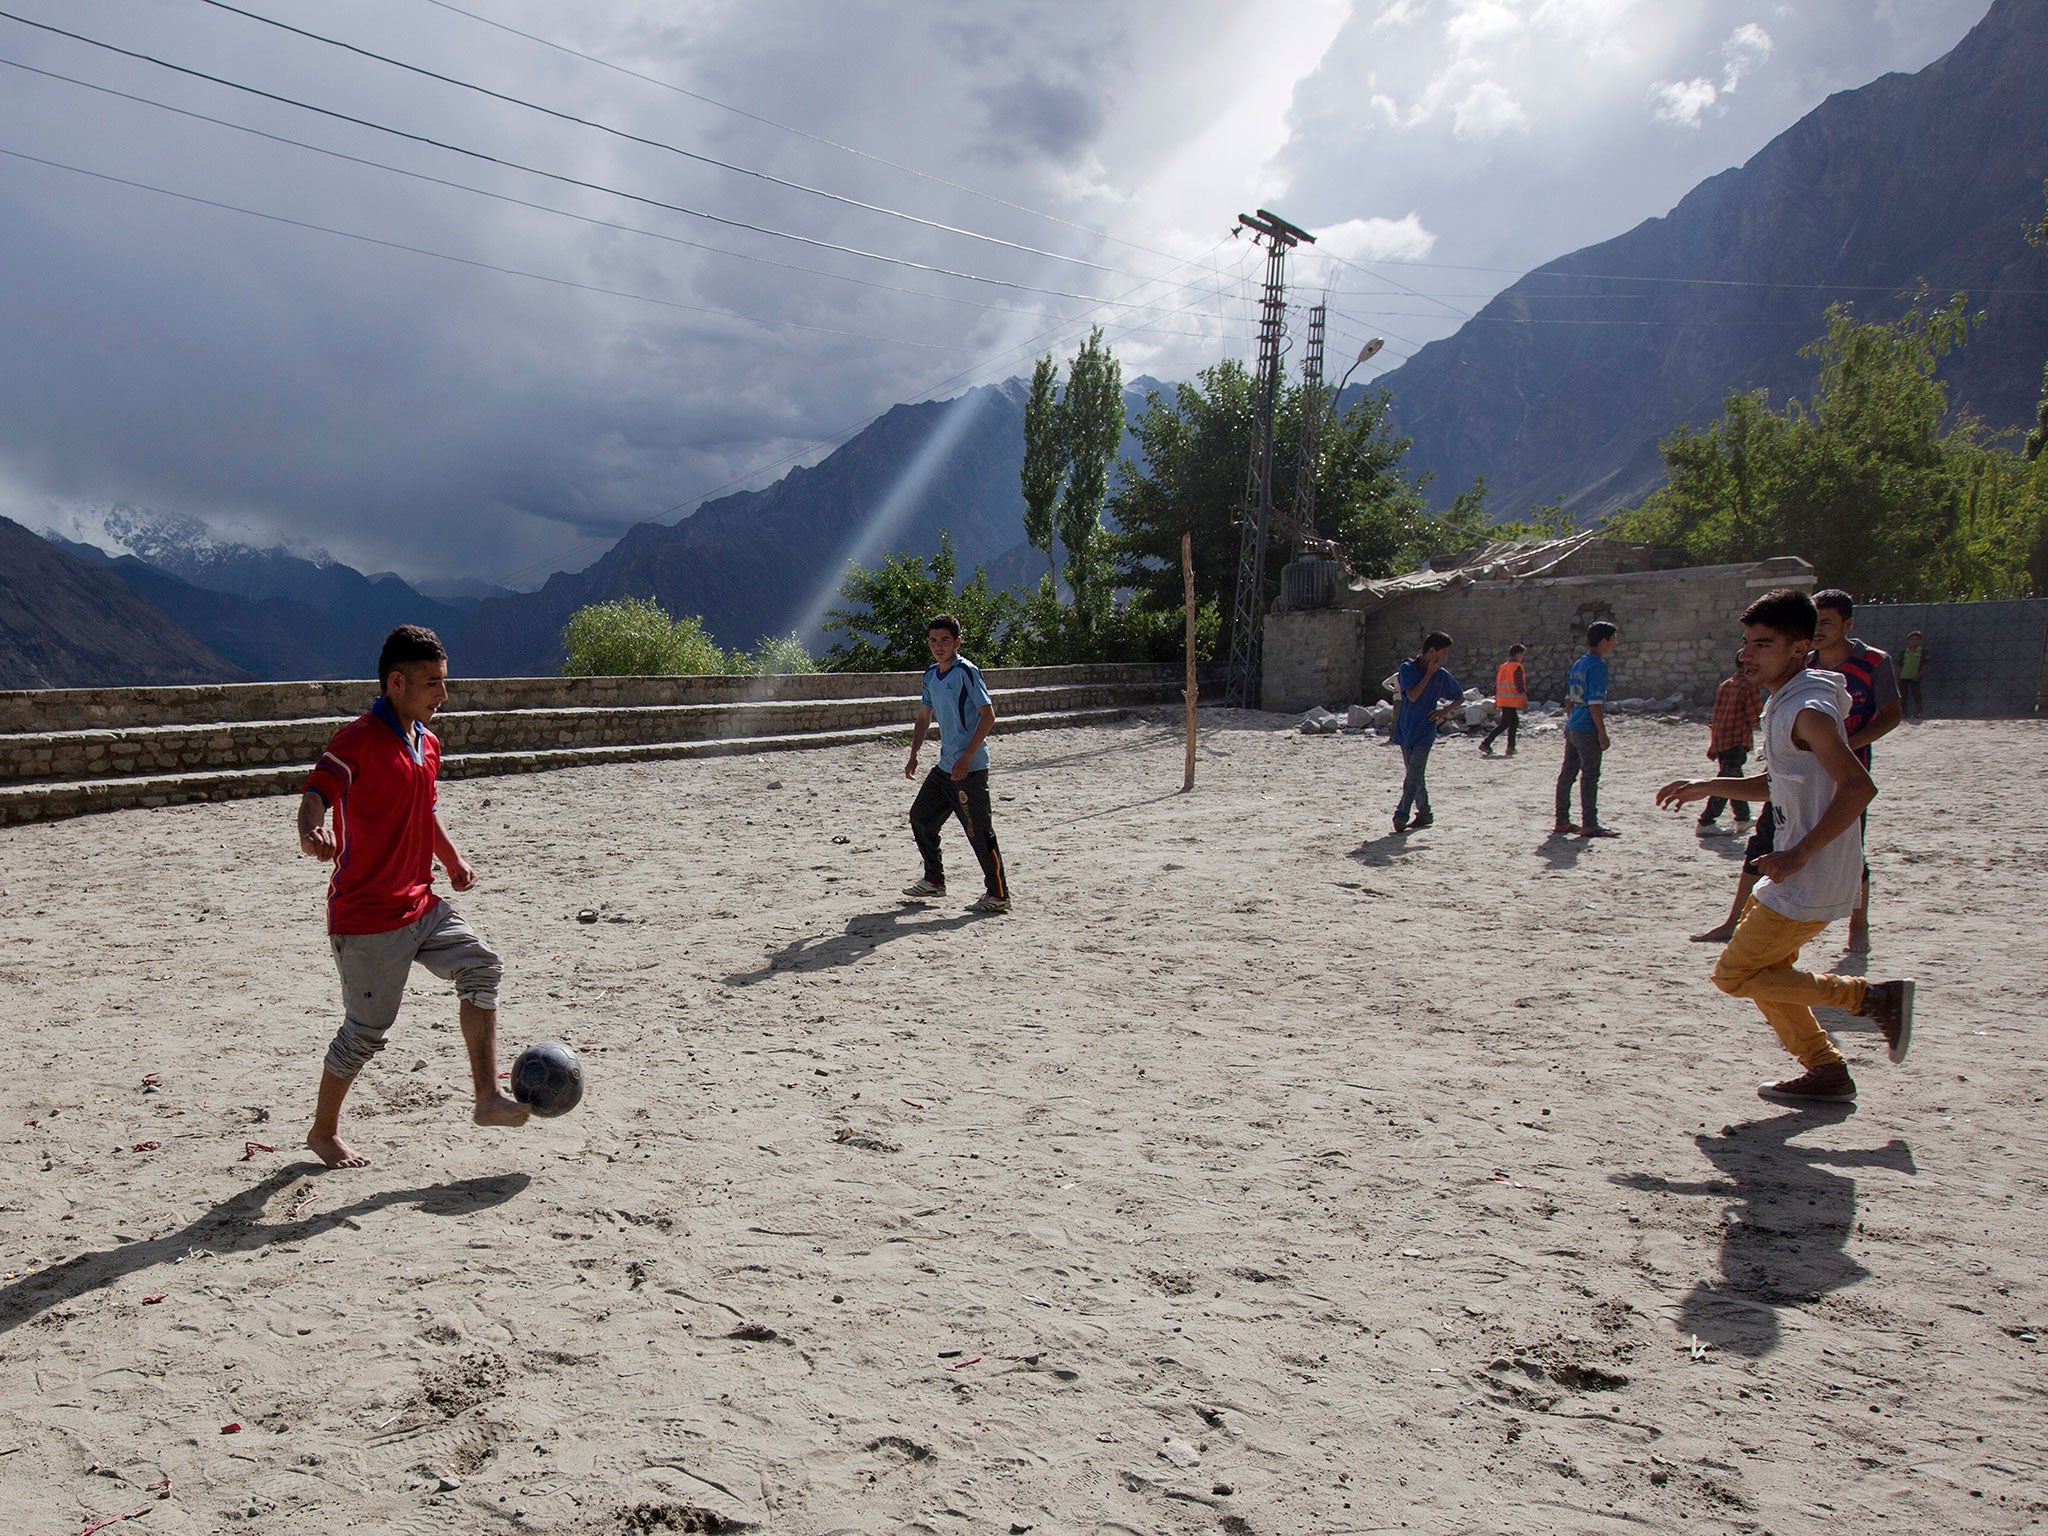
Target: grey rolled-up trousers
{"x":374,"y":968}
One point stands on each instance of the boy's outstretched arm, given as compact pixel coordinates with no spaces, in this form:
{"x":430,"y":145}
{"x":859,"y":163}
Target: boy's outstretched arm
{"x":1680,"y":792}
{"x":315,"y":841}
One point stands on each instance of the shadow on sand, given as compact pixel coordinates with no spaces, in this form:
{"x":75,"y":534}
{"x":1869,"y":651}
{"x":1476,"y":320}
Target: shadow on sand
{"x":864,"y":935}
{"x":236,"y":1226}
{"x":1379,"y":852}
{"x":1784,"y":1237}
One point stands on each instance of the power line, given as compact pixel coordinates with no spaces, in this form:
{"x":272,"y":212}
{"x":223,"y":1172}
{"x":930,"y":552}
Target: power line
{"x":581,"y":218}
{"x":555,"y":176}
{"x":815,"y":138}
{"x":468,"y":261}
{"x":1360,"y":265}
{"x":835,"y":438}
{"x":641,"y":139}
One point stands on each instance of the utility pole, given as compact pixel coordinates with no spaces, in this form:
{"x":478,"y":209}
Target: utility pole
{"x":1308,"y":465}
{"x":1248,"y":608}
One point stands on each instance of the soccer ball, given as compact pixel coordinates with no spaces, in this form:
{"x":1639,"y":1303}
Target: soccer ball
{"x":548,"y":1078}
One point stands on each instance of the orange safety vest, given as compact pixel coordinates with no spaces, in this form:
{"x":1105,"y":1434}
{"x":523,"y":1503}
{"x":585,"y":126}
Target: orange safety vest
{"x":1507,"y":692}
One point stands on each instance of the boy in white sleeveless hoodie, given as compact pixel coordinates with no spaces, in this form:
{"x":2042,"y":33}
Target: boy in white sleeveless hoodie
{"x":1817,"y":791}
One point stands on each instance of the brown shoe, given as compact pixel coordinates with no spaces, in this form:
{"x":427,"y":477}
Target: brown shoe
{"x":1828,"y":1084}
{"x":1890,"y":1005}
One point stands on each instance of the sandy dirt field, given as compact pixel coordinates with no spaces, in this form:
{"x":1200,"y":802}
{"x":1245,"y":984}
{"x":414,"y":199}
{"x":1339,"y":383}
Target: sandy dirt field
{"x":1261,"y":1173}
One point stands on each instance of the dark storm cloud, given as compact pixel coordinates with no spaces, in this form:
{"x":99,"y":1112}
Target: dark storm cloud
{"x":414,"y":413}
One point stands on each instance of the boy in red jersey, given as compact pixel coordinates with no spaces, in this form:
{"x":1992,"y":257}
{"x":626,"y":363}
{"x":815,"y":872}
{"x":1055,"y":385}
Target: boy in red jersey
{"x":377,"y":777}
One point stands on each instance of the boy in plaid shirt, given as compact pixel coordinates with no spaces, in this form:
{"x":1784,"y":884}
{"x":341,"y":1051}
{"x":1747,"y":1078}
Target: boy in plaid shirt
{"x":1732,"y":734}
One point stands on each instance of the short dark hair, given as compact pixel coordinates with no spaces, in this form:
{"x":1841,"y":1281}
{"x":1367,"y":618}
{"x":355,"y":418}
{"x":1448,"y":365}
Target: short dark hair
{"x":944,"y":621}
{"x":1788,"y":610}
{"x":1516,"y":650}
{"x":1600,"y":630}
{"x":1835,"y":600}
{"x":1436,"y":640}
{"x":406,"y":644}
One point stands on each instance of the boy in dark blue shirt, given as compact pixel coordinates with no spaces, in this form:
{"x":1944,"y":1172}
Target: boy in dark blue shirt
{"x":1424,"y":684}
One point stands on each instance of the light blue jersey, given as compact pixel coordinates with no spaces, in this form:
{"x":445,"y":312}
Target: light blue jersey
{"x":1587,"y":686}
{"x":955,"y":698}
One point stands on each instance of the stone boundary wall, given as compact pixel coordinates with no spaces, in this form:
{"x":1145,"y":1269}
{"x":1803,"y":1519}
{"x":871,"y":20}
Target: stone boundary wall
{"x":82,"y":709}
{"x":1679,"y":633}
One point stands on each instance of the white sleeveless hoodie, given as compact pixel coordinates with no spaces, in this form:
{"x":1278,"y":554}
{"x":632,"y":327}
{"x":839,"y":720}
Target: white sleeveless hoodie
{"x":1828,"y":887}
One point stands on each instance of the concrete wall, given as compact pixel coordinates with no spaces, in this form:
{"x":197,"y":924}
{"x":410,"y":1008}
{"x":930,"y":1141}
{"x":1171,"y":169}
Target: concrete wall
{"x":1989,"y":660}
{"x":1679,"y":633}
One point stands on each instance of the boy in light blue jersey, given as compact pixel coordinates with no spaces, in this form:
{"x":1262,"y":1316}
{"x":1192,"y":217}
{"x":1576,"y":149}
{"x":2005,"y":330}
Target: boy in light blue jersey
{"x":1585,"y":735}
{"x":957,"y":700}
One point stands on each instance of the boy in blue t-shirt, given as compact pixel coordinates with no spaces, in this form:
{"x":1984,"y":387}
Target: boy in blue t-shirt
{"x":1424,"y":687}
{"x":957,"y":699}
{"x":1585,"y":735}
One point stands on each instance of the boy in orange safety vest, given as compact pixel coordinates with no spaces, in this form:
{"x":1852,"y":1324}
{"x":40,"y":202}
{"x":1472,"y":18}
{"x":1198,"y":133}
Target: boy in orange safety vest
{"x":1510,"y":697}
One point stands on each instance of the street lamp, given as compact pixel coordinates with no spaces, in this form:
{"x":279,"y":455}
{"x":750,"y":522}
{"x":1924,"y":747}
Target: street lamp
{"x":1365,"y":352}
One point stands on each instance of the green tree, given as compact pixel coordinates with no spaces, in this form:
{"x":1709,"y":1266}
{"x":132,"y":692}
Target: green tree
{"x":635,"y":637}
{"x":1091,"y":426}
{"x":1045,"y":458}
{"x":1196,"y":444}
{"x":1874,"y":480}
{"x":2037,"y":440}
{"x":886,"y":610}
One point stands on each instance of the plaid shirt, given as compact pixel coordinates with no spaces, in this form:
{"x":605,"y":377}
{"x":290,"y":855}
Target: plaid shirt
{"x":1736,"y":706}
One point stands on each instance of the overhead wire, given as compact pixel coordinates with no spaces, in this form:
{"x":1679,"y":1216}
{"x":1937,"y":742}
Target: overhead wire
{"x":843,"y":434}
{"x":520,"y":202}
{"x":804,"y":133}
{"x":469,"y":261}
{"x":646,"y":141}
{"x":555,"y":176}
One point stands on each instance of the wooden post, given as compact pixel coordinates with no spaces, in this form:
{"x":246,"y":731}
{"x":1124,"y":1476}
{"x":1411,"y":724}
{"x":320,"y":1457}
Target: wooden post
{"x":1187,"y":576}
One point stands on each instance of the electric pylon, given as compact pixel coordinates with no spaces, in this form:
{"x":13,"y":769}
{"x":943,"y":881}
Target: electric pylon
{"x":1247,"y":621}
{"x":1308,"y":465}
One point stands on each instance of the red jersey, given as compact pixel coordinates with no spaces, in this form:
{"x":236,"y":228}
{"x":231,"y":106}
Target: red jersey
{"x":380,"y":787}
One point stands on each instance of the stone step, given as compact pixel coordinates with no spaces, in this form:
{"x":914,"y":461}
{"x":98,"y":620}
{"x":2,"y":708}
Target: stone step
{"x":29,"y":711}
{"x":54,"y":799}
{"x":157,"y":750}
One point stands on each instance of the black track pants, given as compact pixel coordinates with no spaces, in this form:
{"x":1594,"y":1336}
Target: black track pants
{"x":941,"y":796}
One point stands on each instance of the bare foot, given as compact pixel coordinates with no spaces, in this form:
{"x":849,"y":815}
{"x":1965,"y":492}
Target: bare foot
{"x":499,"y":1110}
{"x":1859,"y":941}
{"x":1720,"y":935}
{"x":335,"y":1152}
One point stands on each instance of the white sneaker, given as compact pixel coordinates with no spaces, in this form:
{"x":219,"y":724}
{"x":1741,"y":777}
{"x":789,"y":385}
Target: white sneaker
{"x":992,"y":904}
{"x":924,"y":890}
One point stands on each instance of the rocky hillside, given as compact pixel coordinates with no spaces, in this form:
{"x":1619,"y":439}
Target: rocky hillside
{"x":69,"y":623}
{"x":279,"y":614}
{"x":766,"y":562}
{"x":1931,"y":175}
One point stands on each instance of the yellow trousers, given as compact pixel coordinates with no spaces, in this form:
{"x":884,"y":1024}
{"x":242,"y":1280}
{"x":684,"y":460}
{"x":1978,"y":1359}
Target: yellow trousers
{"x":1757,"y":964}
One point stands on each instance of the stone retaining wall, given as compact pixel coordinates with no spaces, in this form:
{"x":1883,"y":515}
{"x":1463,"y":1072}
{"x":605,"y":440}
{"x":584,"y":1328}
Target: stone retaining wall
{"x":84,"y":709}
{"x":1679,"y":633}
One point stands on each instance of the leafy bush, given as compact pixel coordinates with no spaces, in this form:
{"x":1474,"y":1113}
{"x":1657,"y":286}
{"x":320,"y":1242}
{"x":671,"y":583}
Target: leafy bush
{"x":777,"y":654}
{"x":635,"y":637}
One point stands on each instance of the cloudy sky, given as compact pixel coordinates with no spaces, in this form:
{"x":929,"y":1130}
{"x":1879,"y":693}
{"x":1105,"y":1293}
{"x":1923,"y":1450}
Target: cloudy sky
{"x":440,"y":331}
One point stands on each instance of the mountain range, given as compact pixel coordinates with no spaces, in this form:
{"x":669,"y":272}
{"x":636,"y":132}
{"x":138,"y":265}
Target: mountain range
{"x":1559,"y":389}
